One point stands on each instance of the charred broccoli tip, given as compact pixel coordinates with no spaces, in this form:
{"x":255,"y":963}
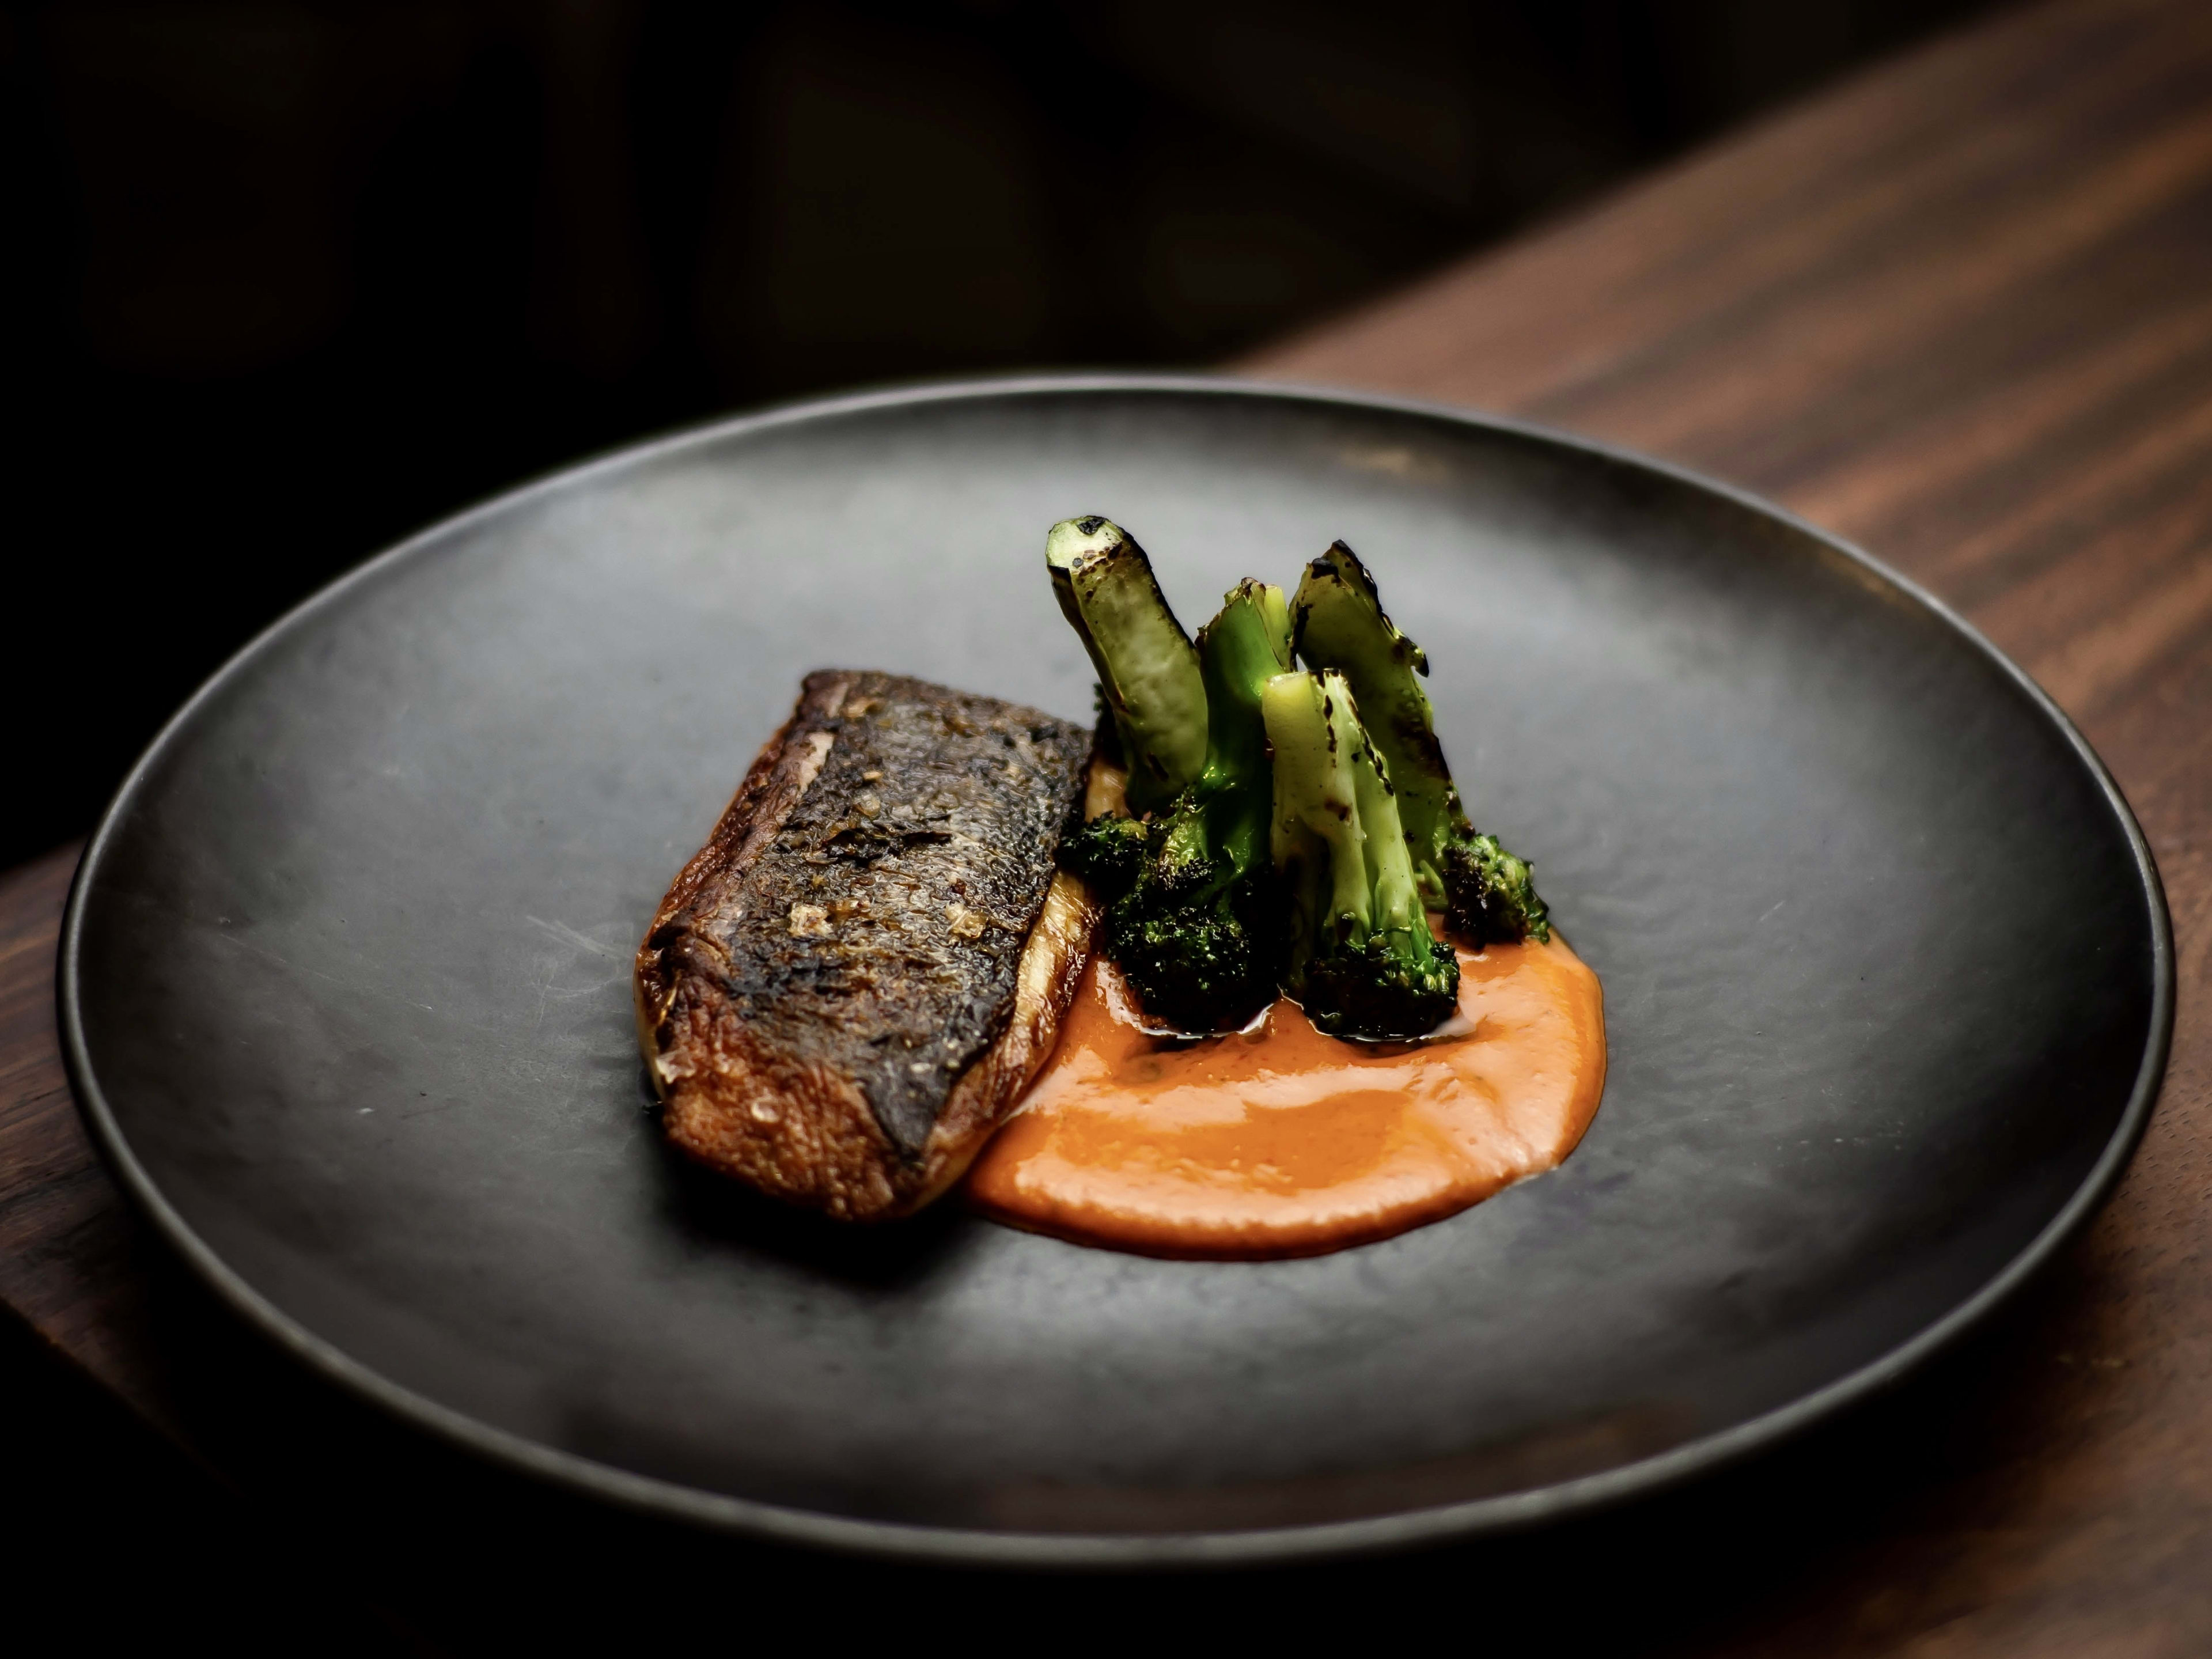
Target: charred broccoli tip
{"x":1485,"y":892}
{"x":1148,"y":672}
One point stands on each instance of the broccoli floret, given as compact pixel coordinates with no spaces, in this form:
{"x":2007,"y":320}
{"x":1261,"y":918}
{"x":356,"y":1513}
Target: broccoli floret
{"x":1490,"y":894}
{"x":1197,"y":929}
{"x":1108,"y":852}
{"x":1361,"y":957}
{"x":1485,"y":892}
{"x":1148,"y":672}
{"x":1200,"y":952}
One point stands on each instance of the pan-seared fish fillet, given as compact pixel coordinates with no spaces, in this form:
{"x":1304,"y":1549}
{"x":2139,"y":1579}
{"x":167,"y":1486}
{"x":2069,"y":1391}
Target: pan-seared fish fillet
{"x":851,"y":984}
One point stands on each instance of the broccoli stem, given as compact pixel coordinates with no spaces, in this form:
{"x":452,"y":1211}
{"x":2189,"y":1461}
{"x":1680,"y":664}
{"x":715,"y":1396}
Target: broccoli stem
{"x":1315,"y":836}
{"x":1194,"y":921}
{"x":1397,"y":908}
{"x":1246,"y":645}
{"x":1275,"y":612}
{"x":1362,"y":958}
{"x":1148,"y":669}
{"x":1339,"y":624}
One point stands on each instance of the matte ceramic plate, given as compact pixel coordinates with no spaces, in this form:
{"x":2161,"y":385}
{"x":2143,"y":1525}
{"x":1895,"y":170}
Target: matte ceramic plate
{"x":345,"y":982}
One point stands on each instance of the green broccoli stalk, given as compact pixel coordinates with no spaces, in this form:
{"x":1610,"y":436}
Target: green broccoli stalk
{"x":1360,"y":956}
{"x":1485,"y":892}
{"x":1148,"y":670}
{"x":1194,"y":921}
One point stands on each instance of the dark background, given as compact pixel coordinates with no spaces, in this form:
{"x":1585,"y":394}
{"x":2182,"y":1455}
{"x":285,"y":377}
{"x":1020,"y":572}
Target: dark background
{"x":285,"y":280}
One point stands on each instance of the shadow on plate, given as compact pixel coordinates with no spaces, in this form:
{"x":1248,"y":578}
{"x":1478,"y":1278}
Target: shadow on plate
{"x":712,"y":1208}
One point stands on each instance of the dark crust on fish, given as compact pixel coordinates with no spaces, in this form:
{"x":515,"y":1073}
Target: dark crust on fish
{"x":849,"y":985}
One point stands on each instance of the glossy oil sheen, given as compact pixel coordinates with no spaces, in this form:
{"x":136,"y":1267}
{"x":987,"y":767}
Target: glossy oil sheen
{"x":1280,"y":1141}
{"x":345,"y":986}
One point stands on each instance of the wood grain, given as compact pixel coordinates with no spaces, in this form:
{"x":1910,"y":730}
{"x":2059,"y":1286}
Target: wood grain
{"x":1961,"y":311}
{"x":67,"y":1248}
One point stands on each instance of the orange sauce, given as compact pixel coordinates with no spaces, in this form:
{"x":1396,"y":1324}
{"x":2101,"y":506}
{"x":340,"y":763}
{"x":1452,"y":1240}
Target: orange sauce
{"x":1285,"y":1142}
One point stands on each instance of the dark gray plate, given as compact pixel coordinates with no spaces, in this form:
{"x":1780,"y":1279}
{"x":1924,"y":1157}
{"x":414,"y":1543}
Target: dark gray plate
{"x":345,"y":987}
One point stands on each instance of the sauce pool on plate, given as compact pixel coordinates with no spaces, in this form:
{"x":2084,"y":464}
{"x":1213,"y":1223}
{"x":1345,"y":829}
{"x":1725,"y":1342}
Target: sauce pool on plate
{"x":1280,"y":1141}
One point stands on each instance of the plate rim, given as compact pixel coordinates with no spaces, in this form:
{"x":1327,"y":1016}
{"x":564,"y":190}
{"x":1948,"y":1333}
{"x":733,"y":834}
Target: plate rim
{"x":778,"y":1523}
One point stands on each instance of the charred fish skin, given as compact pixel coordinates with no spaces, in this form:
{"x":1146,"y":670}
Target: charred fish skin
{"x":850,"y":984}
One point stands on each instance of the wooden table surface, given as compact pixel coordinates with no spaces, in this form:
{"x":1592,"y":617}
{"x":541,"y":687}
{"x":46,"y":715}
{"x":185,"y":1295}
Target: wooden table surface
{"x":1960,"y":310}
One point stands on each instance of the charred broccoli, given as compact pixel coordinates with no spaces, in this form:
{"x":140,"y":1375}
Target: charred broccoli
{"x":1339,"y":625}
{"x":1194,"y":921}
{"x":1148,"y":672}
{"x":1280,"y":841}
{"x":1191,"y":920}
{"x":1361,"y":958}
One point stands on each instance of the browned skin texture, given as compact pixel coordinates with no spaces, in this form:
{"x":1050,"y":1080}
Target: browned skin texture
{"x":850,"y":985}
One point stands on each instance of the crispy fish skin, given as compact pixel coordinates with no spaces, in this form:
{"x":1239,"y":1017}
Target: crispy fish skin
{"x":849,"y":988}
